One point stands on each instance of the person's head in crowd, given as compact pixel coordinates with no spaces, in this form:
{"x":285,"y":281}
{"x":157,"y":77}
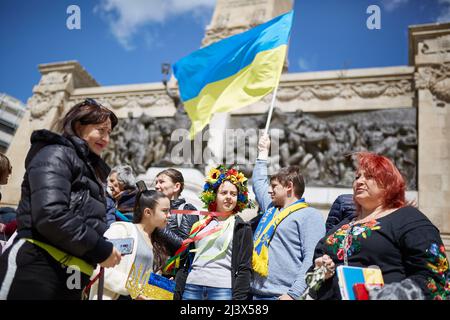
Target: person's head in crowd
{"x":225,"y":190}
{"x":120,"y":179}
{"x":5,"y":169}
{"x":170,"y":182}
{"x":287,"y":183}
{"x":152,"y":209}
{"x":378,"y":183}
{"x":91,"y":122}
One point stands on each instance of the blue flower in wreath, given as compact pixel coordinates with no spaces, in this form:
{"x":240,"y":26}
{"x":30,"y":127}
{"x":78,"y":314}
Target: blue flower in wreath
{"x":242,"y":197}
{"x":219,"y":181}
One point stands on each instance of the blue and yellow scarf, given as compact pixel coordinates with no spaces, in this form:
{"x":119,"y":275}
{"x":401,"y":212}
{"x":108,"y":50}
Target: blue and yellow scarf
{"x":264,"y":233}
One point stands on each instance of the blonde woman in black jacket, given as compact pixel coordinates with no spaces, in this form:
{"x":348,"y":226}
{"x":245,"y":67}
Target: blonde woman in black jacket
{"x":61,"y":213}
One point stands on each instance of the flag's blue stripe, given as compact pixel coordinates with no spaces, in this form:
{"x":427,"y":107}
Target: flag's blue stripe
{"x":226,"y":57}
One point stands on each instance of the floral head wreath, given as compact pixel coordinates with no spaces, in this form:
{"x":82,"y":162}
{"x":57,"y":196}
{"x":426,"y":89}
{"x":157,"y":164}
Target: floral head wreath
{"x":215,"y":178}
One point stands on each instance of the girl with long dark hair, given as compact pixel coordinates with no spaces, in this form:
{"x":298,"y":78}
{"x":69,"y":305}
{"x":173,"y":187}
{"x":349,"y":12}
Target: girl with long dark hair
{"x":152,"y":210}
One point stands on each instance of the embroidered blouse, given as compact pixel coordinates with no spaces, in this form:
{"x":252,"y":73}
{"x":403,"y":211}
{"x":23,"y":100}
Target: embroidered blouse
{"x":403,"y":244}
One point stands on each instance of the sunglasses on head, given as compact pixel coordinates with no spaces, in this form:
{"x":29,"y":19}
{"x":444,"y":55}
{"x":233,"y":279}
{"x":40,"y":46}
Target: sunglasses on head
{"x":90,"y":102}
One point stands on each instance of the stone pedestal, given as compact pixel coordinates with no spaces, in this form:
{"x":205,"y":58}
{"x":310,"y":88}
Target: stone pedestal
{"x":430,"y":53}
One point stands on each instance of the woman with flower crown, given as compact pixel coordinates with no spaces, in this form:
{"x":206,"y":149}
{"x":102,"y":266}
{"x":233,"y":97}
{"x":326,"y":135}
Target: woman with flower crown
{"x":214,"y":263}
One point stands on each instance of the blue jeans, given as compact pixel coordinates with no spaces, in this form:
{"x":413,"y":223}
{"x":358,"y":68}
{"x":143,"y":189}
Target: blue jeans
{"x":256,"y":297}
{"x":196,"y":292}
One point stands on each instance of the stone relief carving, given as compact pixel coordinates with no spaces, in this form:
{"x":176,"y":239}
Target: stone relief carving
{"x":257,"y":17}
{"x":139,"y":142}
{"x":145,"y":142}
{"x":215,"y":34}
{"x":345,"y":90}
{"x":48,"y":94}
{"x":322,"y":146}
{"x":439,"y":45}
{"x":435,"y":78}
{"x":53,"y":78}
{"x":131,"y":101}
{"x":245,"y":3}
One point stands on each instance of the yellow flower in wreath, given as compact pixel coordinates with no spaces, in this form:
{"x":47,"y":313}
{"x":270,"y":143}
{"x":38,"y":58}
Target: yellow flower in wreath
{"x":241,"y":178}
{"x":233,"y":179}
{"x":213,"y":175}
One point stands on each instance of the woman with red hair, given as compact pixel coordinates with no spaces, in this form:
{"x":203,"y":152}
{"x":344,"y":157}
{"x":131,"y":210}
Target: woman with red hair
{"x":387,"y":233}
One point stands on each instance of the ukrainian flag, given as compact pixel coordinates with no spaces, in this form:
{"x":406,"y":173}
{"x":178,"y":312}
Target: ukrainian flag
{"x":234,"y":72}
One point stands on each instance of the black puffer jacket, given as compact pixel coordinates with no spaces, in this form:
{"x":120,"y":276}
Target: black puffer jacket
{"x":63,"y":200}
{"x":343,"y":207}
{"x":174,"y":235}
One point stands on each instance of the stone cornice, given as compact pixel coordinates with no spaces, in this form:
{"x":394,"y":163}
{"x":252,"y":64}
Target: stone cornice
{"x":372,"y":88}
{"x":81,"y":77}
{"x":134,"y":98}
{"x":341,"y":90}
{"x":421,"y":33}
{"x":363,"y":74}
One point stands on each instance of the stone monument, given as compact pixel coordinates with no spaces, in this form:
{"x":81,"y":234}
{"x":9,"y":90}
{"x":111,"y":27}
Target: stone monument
{"x":321,"y":117}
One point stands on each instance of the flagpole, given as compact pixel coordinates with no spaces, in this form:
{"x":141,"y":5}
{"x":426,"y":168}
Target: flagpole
{"x":269,"y":117}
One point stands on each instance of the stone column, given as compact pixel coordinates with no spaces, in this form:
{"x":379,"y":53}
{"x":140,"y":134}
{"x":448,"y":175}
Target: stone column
{"x":46,"y":107}
{"x":234,"y":16}
{"x":430,"y":53}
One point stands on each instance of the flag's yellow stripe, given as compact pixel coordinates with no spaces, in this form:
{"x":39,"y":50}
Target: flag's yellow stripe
{"x":247,"y":86}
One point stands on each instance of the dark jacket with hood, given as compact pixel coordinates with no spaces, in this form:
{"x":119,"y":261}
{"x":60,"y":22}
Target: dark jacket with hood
{"x":343,"y":207}
{"x":63,"y":197}
{"x":241,"y":263}
{"x":124,"y":204}
{"x":173,"y":235}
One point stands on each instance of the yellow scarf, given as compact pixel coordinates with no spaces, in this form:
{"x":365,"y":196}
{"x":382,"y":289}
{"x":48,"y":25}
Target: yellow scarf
{"x":264,"y":234}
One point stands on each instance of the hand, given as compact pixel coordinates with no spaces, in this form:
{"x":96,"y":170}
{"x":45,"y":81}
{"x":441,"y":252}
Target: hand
{"x":113,"y":259}
{"x":326,"y":261}
{"x":142,"y":297}
{"x":285,"y":297}
{"x":2,"y":227}
{"x":263,"y":147}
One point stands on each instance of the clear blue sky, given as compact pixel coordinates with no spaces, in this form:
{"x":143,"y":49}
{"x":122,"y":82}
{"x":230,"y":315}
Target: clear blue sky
{"x":125,"y":41}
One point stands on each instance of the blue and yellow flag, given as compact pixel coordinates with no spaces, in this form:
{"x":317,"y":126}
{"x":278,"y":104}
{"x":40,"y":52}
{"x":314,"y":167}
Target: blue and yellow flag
{"x":234,"y":72}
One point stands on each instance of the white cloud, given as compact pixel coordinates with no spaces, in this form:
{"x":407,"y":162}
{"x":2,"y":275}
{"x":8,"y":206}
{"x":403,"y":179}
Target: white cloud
{"x":444,"y":15}
{"x":303,"y":64}
{"x":391,"y":5}
{"x":308,"y":63}
{"x":125,"y":17}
